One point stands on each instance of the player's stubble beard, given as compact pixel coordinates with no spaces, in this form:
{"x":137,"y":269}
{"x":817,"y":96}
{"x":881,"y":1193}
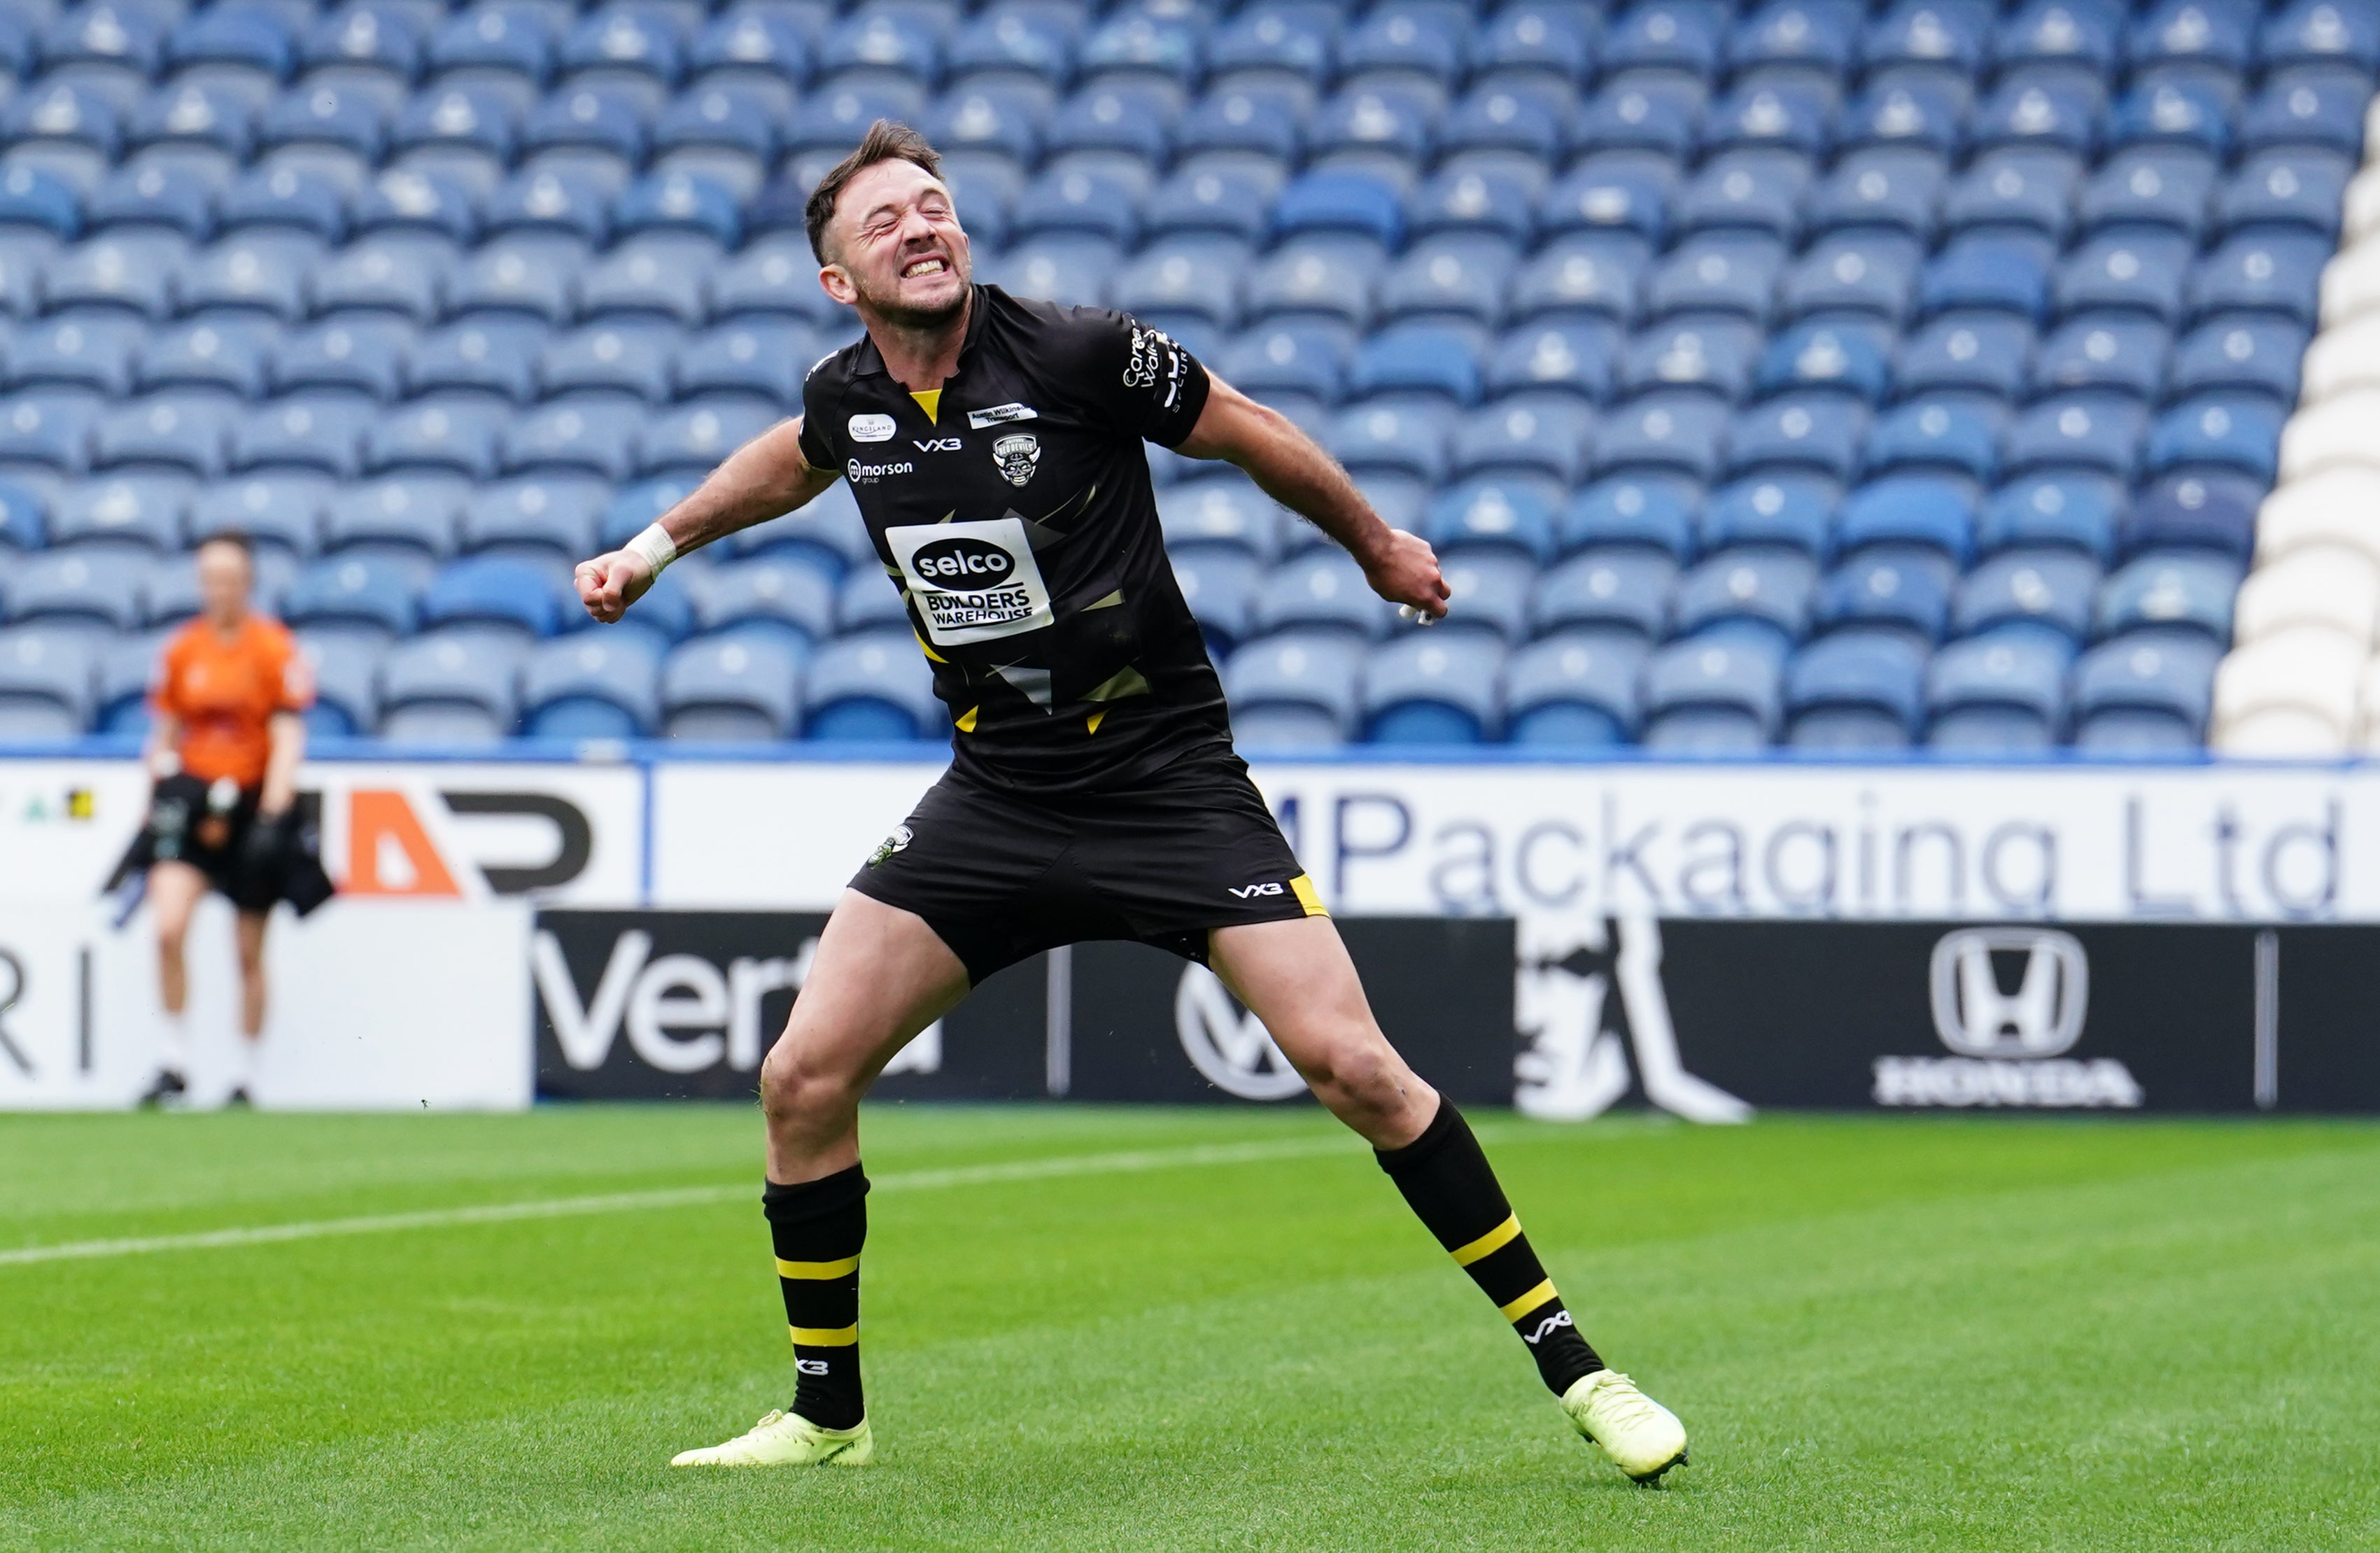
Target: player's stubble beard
{"x":909,"y":318}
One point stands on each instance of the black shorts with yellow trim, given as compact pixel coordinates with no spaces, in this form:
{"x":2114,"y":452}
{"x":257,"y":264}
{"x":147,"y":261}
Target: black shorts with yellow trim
{"x":1000,"y":877}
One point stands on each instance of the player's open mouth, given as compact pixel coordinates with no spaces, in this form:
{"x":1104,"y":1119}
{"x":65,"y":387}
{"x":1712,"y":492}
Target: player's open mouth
{"x":932,"y":265}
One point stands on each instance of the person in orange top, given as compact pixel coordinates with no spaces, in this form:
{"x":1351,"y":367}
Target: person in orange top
{"x":224,"y":748}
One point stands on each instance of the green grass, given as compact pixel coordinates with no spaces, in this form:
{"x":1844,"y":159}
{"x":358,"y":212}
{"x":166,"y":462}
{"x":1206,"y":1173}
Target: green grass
{"x":1926,"y":1333}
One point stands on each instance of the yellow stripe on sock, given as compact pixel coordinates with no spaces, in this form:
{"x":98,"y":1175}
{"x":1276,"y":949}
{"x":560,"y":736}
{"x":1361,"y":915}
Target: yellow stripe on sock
{"x":1511,"y":1310}
{"x":826,"y":1336}
{"x":817,"y":1270}
{"x":1307,"y":896}
{"x":1494,"y":1240}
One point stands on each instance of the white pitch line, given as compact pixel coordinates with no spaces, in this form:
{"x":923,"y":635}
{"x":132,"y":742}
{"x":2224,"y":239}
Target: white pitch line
{"x":1121,"y":1163}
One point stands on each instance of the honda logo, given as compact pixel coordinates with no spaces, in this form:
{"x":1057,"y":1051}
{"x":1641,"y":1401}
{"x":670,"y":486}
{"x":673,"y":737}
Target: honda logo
{"x":1979,"y":1013}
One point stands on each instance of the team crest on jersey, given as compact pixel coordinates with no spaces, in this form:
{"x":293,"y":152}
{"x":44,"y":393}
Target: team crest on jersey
{"x":1017,"y":454}
{"x":897,"y":842}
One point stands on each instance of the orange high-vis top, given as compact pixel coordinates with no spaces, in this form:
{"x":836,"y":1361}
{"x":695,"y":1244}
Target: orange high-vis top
{"x":224,"y":691}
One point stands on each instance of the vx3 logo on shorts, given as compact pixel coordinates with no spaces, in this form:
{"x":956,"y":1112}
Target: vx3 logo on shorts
{"x":1250,"y":891}
{"x":1544,"y":1328}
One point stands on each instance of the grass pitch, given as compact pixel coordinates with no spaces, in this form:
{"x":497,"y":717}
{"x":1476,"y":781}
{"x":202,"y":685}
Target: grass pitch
{"x":1206,"y":1329}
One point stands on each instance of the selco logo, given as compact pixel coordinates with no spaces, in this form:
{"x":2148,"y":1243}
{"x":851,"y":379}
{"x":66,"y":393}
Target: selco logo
{"x":963,"y":563}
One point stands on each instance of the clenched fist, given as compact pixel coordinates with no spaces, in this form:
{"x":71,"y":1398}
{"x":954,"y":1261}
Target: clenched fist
{"x":609,"y":583}
{"x":1405,"y":573}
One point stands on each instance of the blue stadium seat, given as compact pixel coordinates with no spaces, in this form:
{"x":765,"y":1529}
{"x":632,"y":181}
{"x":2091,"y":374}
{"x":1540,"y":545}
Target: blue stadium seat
{"x":1938,"y":433}
{"x":609,"y":119}
{"x":1929,"y":35}
{"x":458,"y":687}
{"x":1721,"y":695}
{"x":1751,"y":588}
{"x":1532,"y":113}
{"x":2316,"y":107}
{"x":1620,"y":586}
{"x":731,"y":126}
{"x":1296,"y":689}
{"x":2143,"y":272}
{"x":1577,"y":689}
{"x":1533,"y":432}
{"x":2114,"y":352}
{"x":1550,"y":37}
{"x":1570,"y":356}
{"x":346,"y":664}
{"x":1423,"y":37}
{"x":414,"y":516}
{"x":1687,"y":36}
{"x":546,"y":519}
{"x":2247,"y":354}
{"x":2215,"y":36}
{"x":183,"y":431}
{"x":1856,"y":691}
{"x":836,"y":116}
{"x":138,"y":510}
{"x":1230,"y":198}
{"x":2148,"y":693}
{"x":1827,"y":359}
{"x":247,"y":39}
{"x":1816,"y":36}
{"x":457,"y":434}
{"x":132,"y":41}
{"x":1433,"y":687}
{"x":1752,"y":191}
{"x":494,"y":591}
{"x":82,"y":350}
{"x":2019,"y":189}
{"x":763,"y":357}
{"x":828,"y":534}
{"x":1648,"y":509}
{"x":486,"y":353}
{"x":653,"y":277}
{"x":1220,"y":586}
{"x":1292,"y":38}
{"x":1489,"y":592}
{"x":776,"y":597}
{"x":1340,"y":200}
{"x":2054,"y":507}
{"x":1715,"y":354}
{"x":2231,"y":432}
{"x":1801,"y":433}
{"x":2001,"y":693}
{"x":2260,"y":271}
{"x":1584,"y":274}
{"x":695,"y":438}
{"x":1904,"y":589}
{"x":2051,"y":32}
{"x":1451,"y":274}
{"x":66,"y":114}
{"x":1419,"y":358}
{"x":1078,"y":199}
{"x":328,"y":111}
{"x":258,"y":271}
{"x":1402,"y":434}
{"x":1615,"y":194}
{"x":1225,"y":514}
{"x":415,"y":202}
{"x":80,"y":589}
{"x":1322,"y":591}
{"x":1790,"y":510}
{"x":312,"y":431}
{"x":130,"y":269}
{"x":1067,"y":268}
{"x":497,"y":35}
{"x":1135,"y":117}
{"x":2296,"y":188}
{"x":226,"y":354}
{"x":1290,"y":355}
{"x":1509,"y":514}
{"x":357,"y":591}
{"x":45,"y":683}
{"x":2192,"y":589}
{"x":1966,"y":353}
{"x":474,"y":118}
{"x":863,"y":603}
{"x":1392,"y":116}
{"x":1887,"y":188}
{"x":2093,"y":431}
{"x":2151,"y":186}
{"x":625,"y":40}
{"x":1903,"y":115}
{"x":1198,"y":276}
{"x":1987,"y":274}
{"x":2052,"y":587}
{"x":525,"y":275}
{"x":2191,"y":115}
{"x":874,"y":685}
{"x":597,"y":685}
{"x":1679,"y":433}
{"x":196,"y":114}
{"x":737,"y":688}
{"x":587,"y":436}
{"x":2321,"y":32}
{"x":24,"y":515}
{"x":755,"y":44}
{"x":280,"y":510}
{"x":36,"y":199}
{"x":1264,"y":116}
{"x":1725,"y":273}
{"x":53,"y":430}
{"x":1788,"y":112}
{"x":149,"y":198}
{"x":391,"y":274}
{"x":610,"y":357}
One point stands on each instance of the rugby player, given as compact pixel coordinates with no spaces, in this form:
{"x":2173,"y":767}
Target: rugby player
{"x":994,"y":446}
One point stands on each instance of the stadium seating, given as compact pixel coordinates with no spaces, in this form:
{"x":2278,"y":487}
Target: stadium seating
{"x":1843,"y":377}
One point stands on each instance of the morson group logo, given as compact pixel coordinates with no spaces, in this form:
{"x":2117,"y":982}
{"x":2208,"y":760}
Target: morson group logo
{"x":2009,"y":1002}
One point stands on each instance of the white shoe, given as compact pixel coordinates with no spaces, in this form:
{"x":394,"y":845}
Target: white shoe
{"x":1642,"y":1438}
{"x":787,"y":1439}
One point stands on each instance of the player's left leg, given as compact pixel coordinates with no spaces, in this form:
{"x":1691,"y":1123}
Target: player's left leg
{"x":1296,"y":977}
{"x":251,"y":935}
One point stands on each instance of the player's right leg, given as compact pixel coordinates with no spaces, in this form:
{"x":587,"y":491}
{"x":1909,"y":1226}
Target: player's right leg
{"x":175,"y":890}
{"x":879,"y":975}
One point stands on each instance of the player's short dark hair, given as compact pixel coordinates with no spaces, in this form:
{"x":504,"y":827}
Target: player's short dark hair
{"x":885,"y":141}
{"x":236,"y":537}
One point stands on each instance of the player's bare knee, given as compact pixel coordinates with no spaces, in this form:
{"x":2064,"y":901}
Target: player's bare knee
{"x":796,"y":1089}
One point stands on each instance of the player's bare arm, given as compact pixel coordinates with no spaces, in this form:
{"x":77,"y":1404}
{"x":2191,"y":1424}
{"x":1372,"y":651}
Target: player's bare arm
{"x":1288,"y":467}
{"x":766,"y":478}
{"x":287,"y":732}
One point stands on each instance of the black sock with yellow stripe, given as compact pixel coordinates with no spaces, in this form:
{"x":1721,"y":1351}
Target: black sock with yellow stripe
{"x":818,"y":1227}
{"x":1448,"y":1182}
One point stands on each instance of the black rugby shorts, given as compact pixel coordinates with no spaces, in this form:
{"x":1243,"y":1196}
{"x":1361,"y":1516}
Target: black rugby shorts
{"x":1000,"y":877}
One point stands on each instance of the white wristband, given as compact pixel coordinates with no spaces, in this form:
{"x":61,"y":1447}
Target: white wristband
{"x":655,"y":545}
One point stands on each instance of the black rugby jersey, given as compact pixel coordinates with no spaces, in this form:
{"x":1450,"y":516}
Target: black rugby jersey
{"x":1012,"y":510}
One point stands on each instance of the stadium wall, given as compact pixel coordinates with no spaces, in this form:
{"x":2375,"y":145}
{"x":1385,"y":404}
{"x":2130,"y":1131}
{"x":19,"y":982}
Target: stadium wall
{"x":1708,"y":938}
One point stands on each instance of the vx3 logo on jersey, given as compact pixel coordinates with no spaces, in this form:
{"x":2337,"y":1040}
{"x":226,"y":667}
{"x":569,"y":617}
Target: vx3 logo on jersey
{"x":1250,"y":891}
{"x":1545,"y":1328}
{"x":937,"y":444}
